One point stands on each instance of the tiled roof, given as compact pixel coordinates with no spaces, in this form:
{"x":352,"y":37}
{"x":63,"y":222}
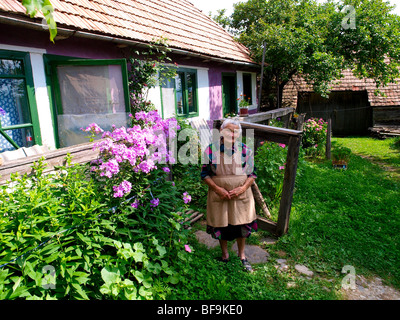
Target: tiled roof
{"x":185,"y":26}
{"x":348,"y":83}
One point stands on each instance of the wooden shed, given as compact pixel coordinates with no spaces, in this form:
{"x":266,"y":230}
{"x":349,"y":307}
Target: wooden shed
{"x":353,"y":105}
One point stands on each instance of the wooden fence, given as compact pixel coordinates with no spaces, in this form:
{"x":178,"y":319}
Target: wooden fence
{"x":81,"y":153}
{"x":292,"y":138}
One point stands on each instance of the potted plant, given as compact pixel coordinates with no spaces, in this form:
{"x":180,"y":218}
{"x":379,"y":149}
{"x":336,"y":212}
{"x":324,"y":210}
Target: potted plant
{"x":243,"y":105}
{"x":340,"y":157}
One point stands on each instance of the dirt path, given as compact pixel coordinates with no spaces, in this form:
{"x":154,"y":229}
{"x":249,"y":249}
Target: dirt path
{"x":392,"y":171}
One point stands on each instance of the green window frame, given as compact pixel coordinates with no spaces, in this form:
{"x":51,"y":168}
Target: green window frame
{"x":186,"y":93}
{"x":52,"y":62}
{"x":32,"y":126}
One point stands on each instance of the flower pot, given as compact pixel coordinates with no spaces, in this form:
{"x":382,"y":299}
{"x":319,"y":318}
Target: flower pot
{"x":243,"y":112}
{"x":340,"y":164}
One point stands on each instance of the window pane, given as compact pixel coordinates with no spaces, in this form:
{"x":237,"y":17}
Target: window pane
{"x":168,"y":98}
{"x":22,"y":137}
{"x":11,"y":67}
{"x":179,"y":93}
{"x":91,"y":89}
{"x":191,"y":91}
{"x":89,"y":94}
{"x":13,"y":103}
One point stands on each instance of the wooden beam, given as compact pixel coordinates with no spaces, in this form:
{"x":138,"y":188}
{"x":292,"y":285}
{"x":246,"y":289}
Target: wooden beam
{"x":264,"y":116}
{"x":279,"y":135}
{"x":81,"y":153}
{"x":288,"y":185}
{"x":266,"y":225}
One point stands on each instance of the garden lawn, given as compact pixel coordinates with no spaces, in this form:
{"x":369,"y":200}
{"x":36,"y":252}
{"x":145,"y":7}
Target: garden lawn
{"x":382,"y":152}
{"x":338,"y":218}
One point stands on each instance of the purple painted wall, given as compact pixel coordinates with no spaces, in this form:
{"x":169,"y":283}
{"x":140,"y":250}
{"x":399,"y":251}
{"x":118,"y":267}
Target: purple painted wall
{"x":73,"y":46}
{"x":215,"y":84}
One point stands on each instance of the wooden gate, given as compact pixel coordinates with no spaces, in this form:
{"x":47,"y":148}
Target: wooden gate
{"x":292,"y":138}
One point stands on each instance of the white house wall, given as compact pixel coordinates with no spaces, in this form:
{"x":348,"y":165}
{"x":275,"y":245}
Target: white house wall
{"x":42,"y":100}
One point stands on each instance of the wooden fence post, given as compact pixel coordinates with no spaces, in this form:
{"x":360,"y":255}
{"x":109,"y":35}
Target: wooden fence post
{"x":328,"y":139}
{"x":300,"y":121}
{"x":288,"y":185}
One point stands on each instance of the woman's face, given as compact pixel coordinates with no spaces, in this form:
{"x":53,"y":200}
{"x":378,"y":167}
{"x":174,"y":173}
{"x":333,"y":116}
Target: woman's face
{"x":230,"y":133}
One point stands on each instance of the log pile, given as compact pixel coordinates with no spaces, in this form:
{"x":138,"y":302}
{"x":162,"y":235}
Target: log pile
{"x":384,"y":132}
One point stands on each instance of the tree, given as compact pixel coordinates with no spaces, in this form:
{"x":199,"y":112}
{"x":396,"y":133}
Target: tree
{"x":318,"y":41}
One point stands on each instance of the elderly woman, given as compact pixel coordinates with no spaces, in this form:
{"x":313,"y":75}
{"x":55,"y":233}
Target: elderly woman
{"x":229,"y":173}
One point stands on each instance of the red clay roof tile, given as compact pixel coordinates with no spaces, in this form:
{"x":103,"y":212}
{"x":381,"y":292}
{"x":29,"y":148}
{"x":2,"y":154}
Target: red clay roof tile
{"x":185,"y":26}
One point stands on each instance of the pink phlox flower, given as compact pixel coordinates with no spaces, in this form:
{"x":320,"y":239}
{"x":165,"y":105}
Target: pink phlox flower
{"x":124,"y":188}
{"x":166,"y":169}
{"x":146,"y":166}
{"x":282,"y":145}
{"x":154,"y":202}
{"x":187,"y":248}
{"x":135,"y":204}
{"x":281,"y":167}
{"x":93,"y":127}
{"x":186,"y":197}
{"x":110,"y":167}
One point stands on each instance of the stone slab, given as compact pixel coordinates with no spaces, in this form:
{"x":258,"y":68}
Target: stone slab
{"x":204,"y":238}
{"x":254,"y":254}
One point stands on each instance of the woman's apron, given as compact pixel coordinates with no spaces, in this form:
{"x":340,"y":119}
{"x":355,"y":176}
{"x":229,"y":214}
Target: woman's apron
{"x":237,"y":211}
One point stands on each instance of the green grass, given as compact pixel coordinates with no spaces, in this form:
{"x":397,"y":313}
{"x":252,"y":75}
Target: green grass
{"x":338,"y":218}
{"x":377,"y":150}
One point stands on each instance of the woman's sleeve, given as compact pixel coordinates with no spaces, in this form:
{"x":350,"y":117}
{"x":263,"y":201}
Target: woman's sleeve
{"x":206,"y":170}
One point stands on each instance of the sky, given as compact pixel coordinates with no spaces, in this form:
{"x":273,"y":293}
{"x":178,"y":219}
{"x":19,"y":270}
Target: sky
{"x":213,"y":5}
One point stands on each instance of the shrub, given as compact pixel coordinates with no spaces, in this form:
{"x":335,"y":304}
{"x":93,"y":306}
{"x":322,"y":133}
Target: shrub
{"x":341,"y":153}
{"x":270,"y":165}
{"x":105,"y":231}
{"x":314,"y":137}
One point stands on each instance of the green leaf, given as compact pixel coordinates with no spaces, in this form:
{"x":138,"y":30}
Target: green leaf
{"x":138,"y":275}
{"x":81,"y":292}
{"x":45,"y":6}
{"x":110,"y":275}
{"x":173,"y":279}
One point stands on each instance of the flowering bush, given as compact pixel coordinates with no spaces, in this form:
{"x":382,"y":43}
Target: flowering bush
{"x":314,"y":137}
{"x":127,"y":155}
{"x":63,"y":222}
{"x":270,"y":162}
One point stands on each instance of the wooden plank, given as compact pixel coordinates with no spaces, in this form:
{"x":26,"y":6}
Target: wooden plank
{"x":300,"y":122}
{"x":328,"y":140}
{"x":82,"y":153}
{"x":259,"y":199}
{"x":264,"y":116}
{"x":274,"y":134}
{"x":288,"y":185}
{"x":266,"y":225}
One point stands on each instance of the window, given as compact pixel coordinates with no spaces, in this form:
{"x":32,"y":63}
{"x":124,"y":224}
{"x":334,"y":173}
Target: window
{"x":88,"y":91}
{"x":247,"y":87}
{"x":18,"y":115}
{"x":186,"y":93}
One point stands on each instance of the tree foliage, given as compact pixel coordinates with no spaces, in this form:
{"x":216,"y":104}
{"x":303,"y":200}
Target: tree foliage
{"x":45,"y":7}
{"x":319,"y":41}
